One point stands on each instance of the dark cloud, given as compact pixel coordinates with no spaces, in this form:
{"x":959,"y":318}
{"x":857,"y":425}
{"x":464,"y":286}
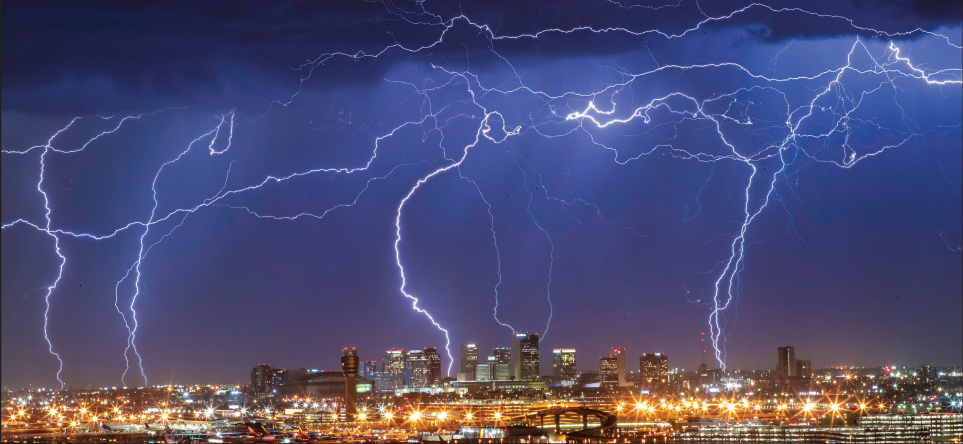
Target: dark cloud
{"x":108,"y":56}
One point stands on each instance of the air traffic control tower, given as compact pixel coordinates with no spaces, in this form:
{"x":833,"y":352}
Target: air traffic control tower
{"x":349,"y":366}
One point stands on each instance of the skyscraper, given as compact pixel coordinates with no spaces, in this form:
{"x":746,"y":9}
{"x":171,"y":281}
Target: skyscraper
{"x":786,"y":365}
{"x":433,"y":363}
{"x":416,"y":370}
{"x":261,"y":379}
{"x":804,"y":369}
{"x":563,"y":365}
{"x":395,"y":363}
{"x":608,"y":372}
{"x":277,"y":376}
{"x":526,"y":356}
{"x":654,"y":368}
{"x":469,"y":358}
{"x":368,"y":369}
{"x":503,"y":355}
{"x":619,"y":355}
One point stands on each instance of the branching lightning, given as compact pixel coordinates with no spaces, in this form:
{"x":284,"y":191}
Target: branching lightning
{"x":760,"y":184}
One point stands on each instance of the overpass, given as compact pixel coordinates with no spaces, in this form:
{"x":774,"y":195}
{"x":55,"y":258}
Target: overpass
{"x":606,"y":431}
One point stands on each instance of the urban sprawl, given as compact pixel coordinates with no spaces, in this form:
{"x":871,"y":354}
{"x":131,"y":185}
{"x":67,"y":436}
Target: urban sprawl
{"x":406,"y":396}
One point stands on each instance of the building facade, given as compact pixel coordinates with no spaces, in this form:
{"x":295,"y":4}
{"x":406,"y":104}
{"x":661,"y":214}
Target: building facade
{"x":416,"y":370}
{"x":261,"y":379}
{"x":608,"y":372}
{"x":654,"y":369}
{"x":368,"y":369}
{"x":503,"y":355}
{"x":395,"y":364}
{"x":433,"y":364}
{"x":563,"y":366}
{"x":804,"y":369}
{"x":786,"y":364}
{"x":526,"y":356}
{"x":619,"y":355}
{"x":469,"y":358}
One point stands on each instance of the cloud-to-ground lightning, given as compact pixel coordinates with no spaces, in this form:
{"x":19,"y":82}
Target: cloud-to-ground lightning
{"x":586,"y":113}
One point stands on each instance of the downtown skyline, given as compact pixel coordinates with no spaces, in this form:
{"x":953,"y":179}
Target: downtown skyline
{"x":596,"y":188}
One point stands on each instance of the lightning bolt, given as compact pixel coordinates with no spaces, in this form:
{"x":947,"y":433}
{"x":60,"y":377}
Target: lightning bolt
{"x":760,"y":188}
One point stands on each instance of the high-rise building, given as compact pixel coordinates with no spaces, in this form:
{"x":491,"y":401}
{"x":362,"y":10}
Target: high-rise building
{"x":416,"y":370}
{"x":261,"y":379}
{"x":619,"y":355}
{"x":483,"y":372}
{"x":804,"y":369}
{"x":368,"y":369}
{"x":654,"y":368}
{"x":278,"y":376}
{"x":433,"y":363}
{"x":786,"y":365}
{"x":608,"y":372}
{"x":395,"y":364}
{"x":469,"y":358}
{"x":563,"y":365}
{"x":926,"y":374}
{"x":526,"y":356}
{"x":503,"y":355}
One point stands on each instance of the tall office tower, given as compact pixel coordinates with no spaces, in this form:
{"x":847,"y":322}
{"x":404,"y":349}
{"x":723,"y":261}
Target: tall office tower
{"x":619,"y":355}
{"x":563,"y":365}
{"x":925,"y":374}
{"x":786,"y":366}
{"x":503,"y":355}
{"x":368,"y":369}
{"x":417,"y":370}
{"x":804,"y":369}
{"x":433,"y":363}
{"x":261,"y":379}
{"x":395,"y":362}
{"x":608,"y":372}
{"x":654,"y":368}
{"x":277,"y":377}
{"x":526,"y":356}
{"x":469,"y":358}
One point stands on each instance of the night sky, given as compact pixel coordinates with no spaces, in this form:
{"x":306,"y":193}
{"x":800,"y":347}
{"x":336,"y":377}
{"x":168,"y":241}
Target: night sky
{"x":595,"y":168}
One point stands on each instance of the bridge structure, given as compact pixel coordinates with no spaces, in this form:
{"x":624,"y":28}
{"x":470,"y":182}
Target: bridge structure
{"x":606,"y":431}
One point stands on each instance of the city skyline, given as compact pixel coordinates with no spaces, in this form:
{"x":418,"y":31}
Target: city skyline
{"x":706,"y":181}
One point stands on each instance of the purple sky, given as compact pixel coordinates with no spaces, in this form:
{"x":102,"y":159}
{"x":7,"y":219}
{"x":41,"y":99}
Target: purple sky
{"x":604,"y":227}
